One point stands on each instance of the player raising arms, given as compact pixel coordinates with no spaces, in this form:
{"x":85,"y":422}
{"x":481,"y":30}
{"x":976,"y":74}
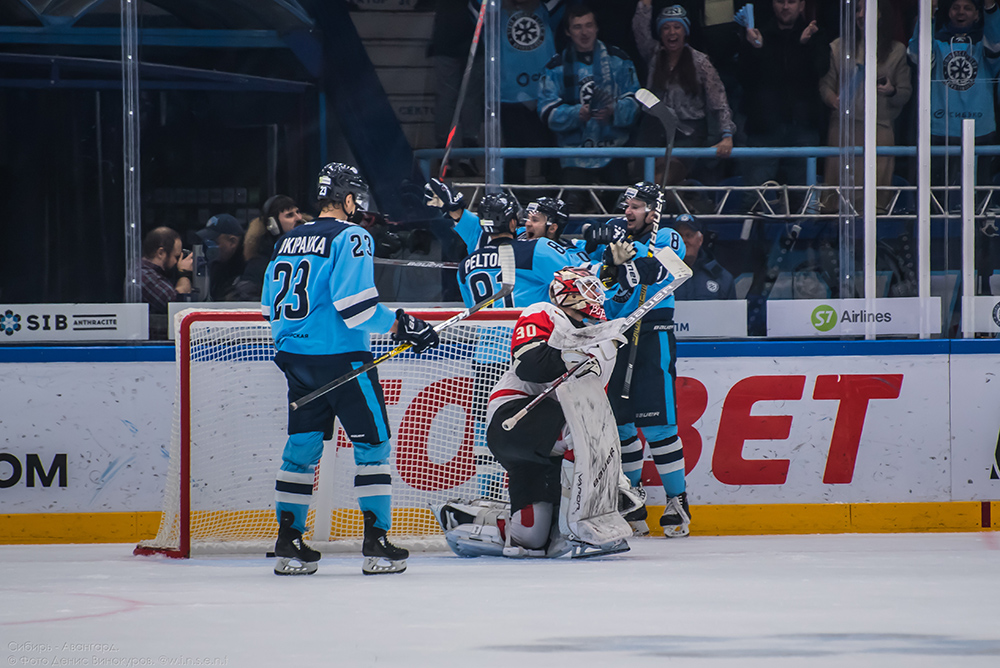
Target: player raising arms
{"x":536,"y":259}
{"x":533,"y":450}
{"x":650,"y":404}
{"x":319,"y":295}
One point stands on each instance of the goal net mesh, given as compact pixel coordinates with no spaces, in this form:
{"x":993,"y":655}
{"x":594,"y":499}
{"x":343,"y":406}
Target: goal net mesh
{"x":229,"y":430}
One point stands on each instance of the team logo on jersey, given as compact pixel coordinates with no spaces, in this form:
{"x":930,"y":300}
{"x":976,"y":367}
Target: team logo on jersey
{"x":586,"y":89}
{"x":960,"y":70}
{"x":10,"y":322}
{"x":525,"y":32}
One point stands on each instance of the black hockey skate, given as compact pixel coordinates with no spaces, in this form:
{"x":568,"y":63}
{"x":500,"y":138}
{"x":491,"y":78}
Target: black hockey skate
{"x":676,"y":517}
{"x":292,"y":555}
{"x":381,"y":556}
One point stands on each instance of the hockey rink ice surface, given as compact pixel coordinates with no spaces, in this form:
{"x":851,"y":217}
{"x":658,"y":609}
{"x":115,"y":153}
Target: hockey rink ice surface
{"x":909,"y":600}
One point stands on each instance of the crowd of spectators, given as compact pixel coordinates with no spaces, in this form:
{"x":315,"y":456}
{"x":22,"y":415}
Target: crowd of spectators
{"x":571,"y":67}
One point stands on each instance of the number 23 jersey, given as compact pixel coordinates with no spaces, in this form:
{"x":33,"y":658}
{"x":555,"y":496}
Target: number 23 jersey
{"x":319,"y":290}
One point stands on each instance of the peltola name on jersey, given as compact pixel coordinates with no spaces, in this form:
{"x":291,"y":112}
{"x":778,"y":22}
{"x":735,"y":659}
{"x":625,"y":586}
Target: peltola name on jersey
{"x":482,"y":261}
{"x":313,"y":245}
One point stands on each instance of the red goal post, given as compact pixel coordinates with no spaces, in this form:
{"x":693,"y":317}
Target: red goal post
{"x":229,"y":429}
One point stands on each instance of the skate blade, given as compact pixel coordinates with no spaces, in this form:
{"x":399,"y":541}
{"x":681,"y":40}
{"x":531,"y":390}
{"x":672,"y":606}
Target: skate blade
{"x":587,"y":551}
{"x":380,"y":566}
{"x":289,"y":566}
{"x":676,"y":531}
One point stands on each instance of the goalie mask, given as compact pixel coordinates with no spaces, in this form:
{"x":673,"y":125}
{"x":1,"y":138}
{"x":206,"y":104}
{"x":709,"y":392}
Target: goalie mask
{"x":576,"y":288}
{"x":495,"y":213}
{"x":643,"y":191}
{"x":553,"y":209}
{"x":337,"y":180}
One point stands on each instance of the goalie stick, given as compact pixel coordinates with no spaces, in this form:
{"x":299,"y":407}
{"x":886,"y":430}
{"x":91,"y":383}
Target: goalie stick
{"x":462,"y":89}
{"x":680,"y":271}
{"x":507,"y":270}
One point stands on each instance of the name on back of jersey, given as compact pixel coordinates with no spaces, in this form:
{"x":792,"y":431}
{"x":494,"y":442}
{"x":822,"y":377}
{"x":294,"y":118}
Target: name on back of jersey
{"x":481,"y":261}
{"x":306,"y":245}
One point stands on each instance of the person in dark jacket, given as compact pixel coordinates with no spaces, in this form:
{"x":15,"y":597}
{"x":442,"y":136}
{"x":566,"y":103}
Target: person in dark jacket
{"x":710,"y":280}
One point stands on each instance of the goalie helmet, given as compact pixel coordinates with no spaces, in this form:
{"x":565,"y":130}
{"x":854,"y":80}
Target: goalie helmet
{"x":644,"y":191}
{"x":495,"y":212}
{"x":578,"y":289}
{"x":553,"y":209}
{"x":337,"y":180}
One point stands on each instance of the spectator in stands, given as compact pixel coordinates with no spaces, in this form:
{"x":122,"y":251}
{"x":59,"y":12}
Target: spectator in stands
{"x":780,"y":67}
{"x":688,"y":83}
{"x":965,"y":63}
{"x":893,"y":89}
{"x":165,"y":276}
{"x":222,"y":238}
{"x":587,"y":97}
{"x":710,"y":279}
{"x":529,"y":30}
{"x":454,"y":24}
{"x":279,"y":214}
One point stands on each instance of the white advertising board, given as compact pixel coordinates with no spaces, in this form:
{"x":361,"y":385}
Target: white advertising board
{"x":986,"y":314}
{"x":850,"y":317}
{"x":27,"y":323}
{"x":84,"y":437}
{"x":975,"y":427}
{"x":710,"y":319}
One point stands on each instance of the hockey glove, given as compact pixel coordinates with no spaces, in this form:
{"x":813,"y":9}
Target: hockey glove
{"x":413,"y":330}
{"x":600,"y":235}
{"x":573,"y":357}
{"x":440,"y":196}
{"x":619,"y":252}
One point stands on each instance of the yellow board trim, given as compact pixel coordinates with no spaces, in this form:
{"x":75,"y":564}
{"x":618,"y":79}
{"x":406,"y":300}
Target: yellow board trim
{"x":729,"y":520}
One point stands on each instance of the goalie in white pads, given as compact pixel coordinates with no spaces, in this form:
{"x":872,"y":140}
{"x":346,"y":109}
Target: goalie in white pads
{"x":562,"y":458}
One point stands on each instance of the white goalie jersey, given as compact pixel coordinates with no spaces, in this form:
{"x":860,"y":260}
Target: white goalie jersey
{"x":533,"y":354}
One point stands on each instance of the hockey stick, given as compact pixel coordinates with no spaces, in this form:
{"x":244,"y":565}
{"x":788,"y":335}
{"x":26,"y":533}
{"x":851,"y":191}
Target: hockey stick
{"x":461,"y":90}
{"x":680,"y":271}
{"x":426,"y":264}
{"x":658,"y":109}
{"x":507,"y":269}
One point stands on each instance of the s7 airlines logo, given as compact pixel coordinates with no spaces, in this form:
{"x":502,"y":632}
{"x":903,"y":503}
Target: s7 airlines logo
{"x":824,"y":318}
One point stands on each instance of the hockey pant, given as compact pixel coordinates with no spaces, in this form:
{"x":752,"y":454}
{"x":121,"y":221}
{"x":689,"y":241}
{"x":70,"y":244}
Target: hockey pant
{"x":360,"y":405}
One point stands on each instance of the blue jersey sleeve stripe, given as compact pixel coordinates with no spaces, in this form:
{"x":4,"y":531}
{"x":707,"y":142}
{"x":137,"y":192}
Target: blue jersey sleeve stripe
{"x":360,"y":314}
{"x":342,"y":305}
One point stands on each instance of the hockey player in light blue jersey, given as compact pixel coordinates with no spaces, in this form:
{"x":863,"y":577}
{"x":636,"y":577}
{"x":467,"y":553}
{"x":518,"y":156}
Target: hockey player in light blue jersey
{"x":536,"y":260}
{"x":319,"y":295}
{"x":651,"y":404}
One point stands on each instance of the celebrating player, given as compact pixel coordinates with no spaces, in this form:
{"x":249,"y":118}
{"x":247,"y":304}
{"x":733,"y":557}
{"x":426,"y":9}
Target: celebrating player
{"x":651,"y":404}
{"x":319,"y":295}
{"x":536,"y":259}
{"x":533,"y":450}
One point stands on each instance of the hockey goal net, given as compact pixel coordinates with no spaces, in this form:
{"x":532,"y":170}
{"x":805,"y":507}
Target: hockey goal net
{"x":229,"y":429}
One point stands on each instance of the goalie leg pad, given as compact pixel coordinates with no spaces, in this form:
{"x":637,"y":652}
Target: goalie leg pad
{"x":589,"y":510}
{"x":475,"y":540}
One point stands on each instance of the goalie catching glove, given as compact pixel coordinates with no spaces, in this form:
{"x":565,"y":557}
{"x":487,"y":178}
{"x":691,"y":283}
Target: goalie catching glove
{"x":413,"y":330}
{"x":440,"y":196}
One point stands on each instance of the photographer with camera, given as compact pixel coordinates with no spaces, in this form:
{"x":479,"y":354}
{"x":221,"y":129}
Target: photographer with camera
{"x":165,"y":275}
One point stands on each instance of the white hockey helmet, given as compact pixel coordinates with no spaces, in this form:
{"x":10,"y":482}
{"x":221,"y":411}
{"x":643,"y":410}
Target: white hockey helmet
{"x":578,"y":289}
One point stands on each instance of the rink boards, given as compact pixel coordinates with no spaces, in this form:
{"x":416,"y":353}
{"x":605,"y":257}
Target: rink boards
{"x":778,"y":438}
